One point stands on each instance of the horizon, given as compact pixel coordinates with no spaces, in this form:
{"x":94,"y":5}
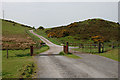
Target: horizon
{"x":59,"y":25}
{"x":60,"y":14}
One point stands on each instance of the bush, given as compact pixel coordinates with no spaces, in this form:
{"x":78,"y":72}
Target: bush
{"x":62,"y":53}
{"x":41,"y":28}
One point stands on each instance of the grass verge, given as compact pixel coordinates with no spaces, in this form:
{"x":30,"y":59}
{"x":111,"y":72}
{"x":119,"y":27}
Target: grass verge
{"x":70,"y":55}
{"x":19,"y":62}
{"x":17,"y":59}
{"x":112,"y":54}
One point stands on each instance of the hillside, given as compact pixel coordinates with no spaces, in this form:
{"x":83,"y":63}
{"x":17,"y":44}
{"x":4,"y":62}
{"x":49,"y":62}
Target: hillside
{"x":14,"y":35}
{"x":84,"y":30}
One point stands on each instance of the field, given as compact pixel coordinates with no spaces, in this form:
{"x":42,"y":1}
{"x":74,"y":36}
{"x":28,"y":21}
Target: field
{"x":112,"y":54}
{"x":15,"y":38}
{"x":17,"y":59}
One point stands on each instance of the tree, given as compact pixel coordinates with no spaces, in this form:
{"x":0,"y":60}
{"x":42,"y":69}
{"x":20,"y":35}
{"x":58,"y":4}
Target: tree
{"x":41,"y":28}
{"x":33,"y":27}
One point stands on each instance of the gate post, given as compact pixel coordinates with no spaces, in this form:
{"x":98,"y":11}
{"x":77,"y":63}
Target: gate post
{"x":31,"y":50}
{"x":67,"y":47}
{"x":64,"y":48}
{"x":112,"y":45}
{"x":40,"y":44}
{"x":102,"y":47}
{"x":99,"y":47}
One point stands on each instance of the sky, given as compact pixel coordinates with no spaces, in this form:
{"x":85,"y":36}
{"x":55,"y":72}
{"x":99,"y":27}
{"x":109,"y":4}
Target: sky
{"x":53,"y":14}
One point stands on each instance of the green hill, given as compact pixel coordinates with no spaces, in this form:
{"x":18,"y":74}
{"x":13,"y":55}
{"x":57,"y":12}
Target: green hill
{"x":18,"y":39}
{"x":14,"y":35}
{"x":84,"y":30}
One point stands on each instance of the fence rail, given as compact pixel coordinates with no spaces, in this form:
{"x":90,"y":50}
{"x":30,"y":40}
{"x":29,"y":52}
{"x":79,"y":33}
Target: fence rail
{"x":95,"y":48}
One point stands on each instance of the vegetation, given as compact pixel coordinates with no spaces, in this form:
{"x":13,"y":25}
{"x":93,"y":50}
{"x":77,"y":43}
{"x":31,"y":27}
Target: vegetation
{"x":88,"y":31}
{"x":108,"y":52}
{"x":19,"y":63}
{"x":70,"y":55}
{"x":112,"y":54}
{"x":27,"y":70}
{"x":42,"y":33}
{"x":14,"y":35}
{"x":41,"y":28}
{"x":17,"y":59}
{"x":82,"y":32}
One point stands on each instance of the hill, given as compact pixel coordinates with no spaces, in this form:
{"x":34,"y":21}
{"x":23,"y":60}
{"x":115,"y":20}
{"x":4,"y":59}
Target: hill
{"x":84,"y":30}
{"x":14,"y":35}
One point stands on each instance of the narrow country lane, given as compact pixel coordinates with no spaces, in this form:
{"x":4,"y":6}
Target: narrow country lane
{"x":52,"y":65}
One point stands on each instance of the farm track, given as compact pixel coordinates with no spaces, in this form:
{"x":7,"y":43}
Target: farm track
{"x":52,"y":65}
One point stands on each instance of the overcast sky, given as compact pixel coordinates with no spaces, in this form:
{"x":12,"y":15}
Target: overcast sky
{"x":54,"y":14}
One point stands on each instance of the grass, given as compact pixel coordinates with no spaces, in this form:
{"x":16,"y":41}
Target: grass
{"x":70,"y":55}
{"x":73,"y":56}
{"x":33,"y":36}
{"x":14,"y":63}
{"x":16,"y":60}
{"x":42,"y":33}
{"x":15,"y":36}
{"x":19,"y":62}
{"x":37,"y":40}
{"x":27,"y":71}
{"x":9,"y":30}
{"x":42,"y":49}
{"x":61,"y":40}
{"x":112,"y":54}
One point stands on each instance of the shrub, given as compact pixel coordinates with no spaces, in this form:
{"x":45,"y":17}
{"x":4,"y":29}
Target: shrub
{"x":41,"y":28}
{"x":62,"y":53}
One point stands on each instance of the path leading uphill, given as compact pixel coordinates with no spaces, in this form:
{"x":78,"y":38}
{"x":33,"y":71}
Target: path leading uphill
{"x":52,"y":65}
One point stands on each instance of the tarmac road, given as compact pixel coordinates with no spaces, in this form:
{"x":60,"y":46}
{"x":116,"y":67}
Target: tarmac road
{"x":52,"y":65}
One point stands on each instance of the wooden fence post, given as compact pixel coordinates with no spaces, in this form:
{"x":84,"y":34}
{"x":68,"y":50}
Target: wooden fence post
{"x":102,"y":47}
{"x":31,"y":50}
{"x":64,"y":47}
{"x":7,"y":53}
{"x":90,"y":47}
{"x":40,"y":44}
{"x":99,"y":47}
{"x":67,"y":47}
{"x":82,"y":45}
{"x":112,"y":45}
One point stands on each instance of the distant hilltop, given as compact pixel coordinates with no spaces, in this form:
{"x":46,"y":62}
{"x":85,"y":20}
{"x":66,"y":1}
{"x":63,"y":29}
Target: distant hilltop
{"x":84,"y":30}
{"x":16,"y":23}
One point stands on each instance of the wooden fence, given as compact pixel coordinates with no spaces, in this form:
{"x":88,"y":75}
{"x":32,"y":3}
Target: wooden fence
{"x":95,"y":47}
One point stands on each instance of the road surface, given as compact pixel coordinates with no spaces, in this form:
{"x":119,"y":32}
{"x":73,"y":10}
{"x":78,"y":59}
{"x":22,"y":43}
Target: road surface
{"x":52,"y":65}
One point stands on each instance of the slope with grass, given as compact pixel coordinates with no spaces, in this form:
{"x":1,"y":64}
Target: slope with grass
{"x":112,"y":54}
{"x":14,"y":35}
{"x":82,"y":31}
{"x":19,"y":63}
